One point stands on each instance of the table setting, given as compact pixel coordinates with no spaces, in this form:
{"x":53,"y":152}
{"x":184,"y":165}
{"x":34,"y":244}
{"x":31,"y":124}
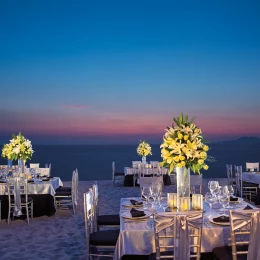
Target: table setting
{"x":136,"y":225}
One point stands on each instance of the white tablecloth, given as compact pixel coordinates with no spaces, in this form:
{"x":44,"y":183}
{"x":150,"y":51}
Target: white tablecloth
{"x":136,"y":238}
{"x":130,"y":170}
{"x":251,"y":177}
{"x":39,"y":187}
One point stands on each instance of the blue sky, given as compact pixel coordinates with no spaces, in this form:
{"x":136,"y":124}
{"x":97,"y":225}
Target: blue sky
{"x":119,"y":71}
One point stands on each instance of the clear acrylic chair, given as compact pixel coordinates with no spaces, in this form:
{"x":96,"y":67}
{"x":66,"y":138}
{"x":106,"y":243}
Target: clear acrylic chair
{"x":18,"y":199}
{"x":178,"y":235}
{"x":67,"y":198}
{"x":99,"y":243}
{"x":103,"y":221}
{"x":252,"y":167}
{"x":196,"y":183}
{"x":116,"y":175}
{"x":244,"y":189}
{"x":244,"y":231}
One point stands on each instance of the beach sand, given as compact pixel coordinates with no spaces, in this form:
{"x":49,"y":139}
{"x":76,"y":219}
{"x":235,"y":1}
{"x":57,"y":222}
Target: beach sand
{"x":63,"y":236}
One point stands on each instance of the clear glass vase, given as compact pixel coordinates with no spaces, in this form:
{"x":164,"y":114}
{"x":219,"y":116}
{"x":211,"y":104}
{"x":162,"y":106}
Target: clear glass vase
{"x":144,"y":159}
{"x":183,"y":185}
{"x":21,"y":165}
{"x":9,"y":163}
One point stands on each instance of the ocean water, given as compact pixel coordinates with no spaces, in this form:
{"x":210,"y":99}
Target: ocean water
{"x":94,"y":162}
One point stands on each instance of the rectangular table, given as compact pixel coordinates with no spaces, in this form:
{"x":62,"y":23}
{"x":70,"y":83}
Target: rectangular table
{"x":42,"y":194}
{"x":251,"y":177}
{"x":136,"y":238}
{"x":131,"y":172}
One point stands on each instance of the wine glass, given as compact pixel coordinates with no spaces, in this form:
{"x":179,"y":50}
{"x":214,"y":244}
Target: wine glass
{"x":210,"y":199}
{"x":146,"y":193}
{"x":213,"y":186}
{"x":229,"y":190}
{"x":224,"y":200}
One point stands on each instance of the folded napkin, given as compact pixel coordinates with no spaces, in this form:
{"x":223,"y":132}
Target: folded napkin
{"x":46,"y":179}
{"x":30,"y":181}
{"x":221,"y":219}
{"x":145,"y":198}
{"x":1,"y":181}
{"x":136,"y":203}
{"x":233,"y":199}
{"x":137,"y":213}
{"x":248,"y":207}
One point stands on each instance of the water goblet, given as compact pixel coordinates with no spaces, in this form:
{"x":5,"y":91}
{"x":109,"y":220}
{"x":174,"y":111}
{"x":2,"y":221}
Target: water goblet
{"x":213,"y":186}
{"x":224,"y":200}
{"x":229,"y":191}
{"x":146,"y":193}
{"x":210,"y":199}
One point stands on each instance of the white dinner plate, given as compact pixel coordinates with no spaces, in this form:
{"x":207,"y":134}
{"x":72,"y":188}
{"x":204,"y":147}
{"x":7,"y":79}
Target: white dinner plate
{"x":218,"y":223}
{"x":129,"y":216}
{"x":128,"y":204}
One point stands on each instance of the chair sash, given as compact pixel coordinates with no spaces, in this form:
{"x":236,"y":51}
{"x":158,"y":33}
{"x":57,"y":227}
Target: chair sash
{"x":74,"y":187}
{"x":181,"y":231}
{"x":253,"y":250}
{"x":240,"y":219}
{"x":15,"y":182}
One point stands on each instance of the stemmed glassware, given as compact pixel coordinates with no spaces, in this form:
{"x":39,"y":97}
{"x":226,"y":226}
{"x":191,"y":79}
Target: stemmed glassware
{"x":213,"y":186}
{"x":156,"y":190}
{"x":224,"y":200}
{"x":146,"y":193}
{"x":229,"y":190}
{"x":210,"y":199}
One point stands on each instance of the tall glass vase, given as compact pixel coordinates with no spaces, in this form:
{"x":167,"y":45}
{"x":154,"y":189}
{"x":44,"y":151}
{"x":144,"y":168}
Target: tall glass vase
{"x":144,"y":159}
{"x":21,"y":165}
{"x":9,"y":163}
{"x":183,"y":187}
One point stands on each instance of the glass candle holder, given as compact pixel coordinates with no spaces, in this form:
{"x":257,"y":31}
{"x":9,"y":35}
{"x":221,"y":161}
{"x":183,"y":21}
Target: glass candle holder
{"x":184,"y":203}
{"x":197,"y":201}
{"x":172,"y":200}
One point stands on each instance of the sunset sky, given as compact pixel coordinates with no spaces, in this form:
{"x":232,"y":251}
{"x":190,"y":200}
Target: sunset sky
{"x":115,"y":72}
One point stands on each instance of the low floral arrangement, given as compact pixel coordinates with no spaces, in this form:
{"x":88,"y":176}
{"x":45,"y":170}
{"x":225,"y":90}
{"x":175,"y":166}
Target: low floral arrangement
{"x":18,"y":148}
{"x":183,"y":145}
{"x":144,"y":149}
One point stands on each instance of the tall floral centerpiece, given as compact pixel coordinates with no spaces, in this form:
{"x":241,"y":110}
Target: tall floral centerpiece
{"x":184,"y":148}
{"x":144,"y":149}
{"x":19,"y":149}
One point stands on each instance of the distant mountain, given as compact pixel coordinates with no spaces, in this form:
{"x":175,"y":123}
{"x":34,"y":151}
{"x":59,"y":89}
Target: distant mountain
{"x":243,"y":140}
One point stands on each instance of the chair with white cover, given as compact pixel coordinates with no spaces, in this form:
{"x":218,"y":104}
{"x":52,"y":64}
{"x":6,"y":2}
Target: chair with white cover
{"x":34,"y":165}
{"x":244,"y":189}
{"x":68,"y":197}
{"x":45,"y":172}
{"x":196,"y":183}
{"x":147,"y":181}
{"x":97,"y":241}
{"x":135,"y":164}
{"x":178,"y":235}
{"x":103,"y":221}
{"x":244,"y":230}
{"x":116,"y":175}
{"x":252,"y":167}
{"x":18,"y":199}
{"x":154,"y":164}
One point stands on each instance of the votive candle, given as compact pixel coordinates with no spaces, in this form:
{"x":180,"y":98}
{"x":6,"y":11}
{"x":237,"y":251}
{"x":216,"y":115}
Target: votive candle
{"x":184,"y":203}
{"x":172,"y":200}
{"x":197,"y":201}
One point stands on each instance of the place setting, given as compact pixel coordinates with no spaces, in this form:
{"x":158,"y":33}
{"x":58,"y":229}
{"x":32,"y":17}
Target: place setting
{"x":132,"y":203}
{"x":135,"y":214}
